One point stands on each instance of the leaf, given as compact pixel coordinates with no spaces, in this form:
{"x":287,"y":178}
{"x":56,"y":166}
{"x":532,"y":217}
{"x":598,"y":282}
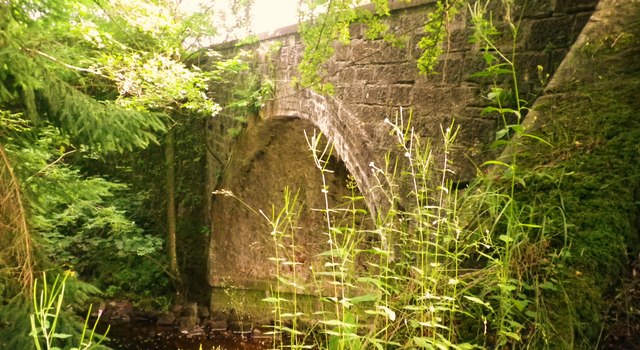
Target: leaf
{"x":548,"y":285}
{"x":391,"y":315}
{"x":520,"y":304}
{"x":423,"y":342}
{"x":512,"y":335}
{"x":488,"y":58}
{"x":517,"y":128}
{"x":537,"y":138}
{"x":505,"y":238}
{"x":490,"y":109}
{"x":507,"y":287}
{"x":496,"y":162}
{"x":274,"y":300}
{"x":337,"y":323}
{"x":477,"y":301}
{"x":364,"y":298}
{"x":499,"y":143}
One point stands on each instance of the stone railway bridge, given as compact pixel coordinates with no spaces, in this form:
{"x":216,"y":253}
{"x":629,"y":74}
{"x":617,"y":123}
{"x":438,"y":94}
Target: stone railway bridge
{"x":372,"y":81}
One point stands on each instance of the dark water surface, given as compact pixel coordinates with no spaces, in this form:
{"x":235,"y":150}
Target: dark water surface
{"x":138,"y":335}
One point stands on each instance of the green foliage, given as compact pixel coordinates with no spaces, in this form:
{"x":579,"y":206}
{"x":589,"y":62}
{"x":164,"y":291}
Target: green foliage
{"x":80,"y":81}
{"x":47,"y":312}
{"x":43,"y":88}
{"x":16,"y":314}
{"x":593,"y":168}
{"x":326,"y":22}
{"x":432,"y":44}
{"x":79,"y":222}
{"x":441,"y":269}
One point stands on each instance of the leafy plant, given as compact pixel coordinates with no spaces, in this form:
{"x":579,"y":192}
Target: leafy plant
{"x":442,"y":269}
{"x":44,"y":320}
{"x":326,"y":22}
{"x":436,"y":30}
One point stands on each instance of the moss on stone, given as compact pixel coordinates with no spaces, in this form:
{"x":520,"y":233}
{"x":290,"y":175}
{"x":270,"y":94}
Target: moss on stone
{"x":593,"y":172}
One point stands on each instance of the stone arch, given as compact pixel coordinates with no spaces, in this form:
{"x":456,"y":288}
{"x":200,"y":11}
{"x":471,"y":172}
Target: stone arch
{"x":269,"y":156}
{"x":348,"y":134}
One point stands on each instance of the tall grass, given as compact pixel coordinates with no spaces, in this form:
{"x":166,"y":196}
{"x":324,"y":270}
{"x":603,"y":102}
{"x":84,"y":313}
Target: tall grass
{"x":441,"y":267}
{"x":48,"y":302}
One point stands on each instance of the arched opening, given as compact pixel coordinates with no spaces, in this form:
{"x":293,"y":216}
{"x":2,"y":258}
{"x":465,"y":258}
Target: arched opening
{"x":269,"y":156}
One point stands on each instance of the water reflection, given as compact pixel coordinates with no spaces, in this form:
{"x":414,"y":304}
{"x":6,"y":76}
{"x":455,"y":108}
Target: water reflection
{"x":148,"y":336}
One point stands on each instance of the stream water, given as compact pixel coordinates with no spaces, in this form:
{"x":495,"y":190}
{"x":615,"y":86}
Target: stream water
{"x":138,"y":335}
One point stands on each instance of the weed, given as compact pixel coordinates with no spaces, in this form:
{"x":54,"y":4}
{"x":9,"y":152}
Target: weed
{"x":439,"y":268}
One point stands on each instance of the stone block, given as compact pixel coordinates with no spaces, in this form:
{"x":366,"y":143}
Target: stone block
{"x":203,"y":311}
{"x":166,"y":319}
{"x":527,"y":69}
{"x":400,"y":94}
{"x":450,"y":69}
{"x":396,"y":73}
{"x":369,"y":113}
{"x":542,"y":34}
{"x":413,"y":21}
{"x":375,"y":94}
{"x":459,"y":39}
{"x":356,"y":31}
{"x":352,"y":93}
{"x":343,"y":53}
{"x":189,"y":310}
{"x":534,"y":8}
{"x":473,"y":63}
{"x":187,"y":323}
{"x":443,"y":100}
{"x":333,"y":68}
{"x":241,"y":327}
{"x":216,"y":325}
{"x":555,"y":58}
{"x":283,"y":56}
{"x":573,"y":6}
{"x":365,"y":73}
{"x":579,"y":22}
{"x":346,"y":75}
{"x":377,"y":51}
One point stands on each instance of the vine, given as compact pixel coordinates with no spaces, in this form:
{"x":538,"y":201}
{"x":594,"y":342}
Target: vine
{"x":326,"y":22}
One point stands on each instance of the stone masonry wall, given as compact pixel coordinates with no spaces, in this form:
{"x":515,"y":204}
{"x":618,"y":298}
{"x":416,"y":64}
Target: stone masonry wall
{"x":374,"y":80}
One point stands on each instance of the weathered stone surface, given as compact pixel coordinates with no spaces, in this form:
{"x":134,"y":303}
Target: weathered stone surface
{"x":166,"y":319}
{"x":572,"y":6}
{"x":187,"y":323}
{"x":372,"y":82}
{"x":552,"y":32}
{"x":189,"y":310}
{"x":118,"y":310}
{"x":203,"y":311}
{"x":216,"y":325}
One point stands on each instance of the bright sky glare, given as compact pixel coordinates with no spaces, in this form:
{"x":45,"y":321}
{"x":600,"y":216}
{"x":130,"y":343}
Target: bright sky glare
{"x":266,"y":15}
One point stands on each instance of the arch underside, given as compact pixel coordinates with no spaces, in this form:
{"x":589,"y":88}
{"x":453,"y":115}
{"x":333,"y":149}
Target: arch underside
{"x":351,"y":138}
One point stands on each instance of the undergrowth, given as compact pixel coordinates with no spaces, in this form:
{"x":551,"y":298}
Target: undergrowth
{"x":440,"y":267}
